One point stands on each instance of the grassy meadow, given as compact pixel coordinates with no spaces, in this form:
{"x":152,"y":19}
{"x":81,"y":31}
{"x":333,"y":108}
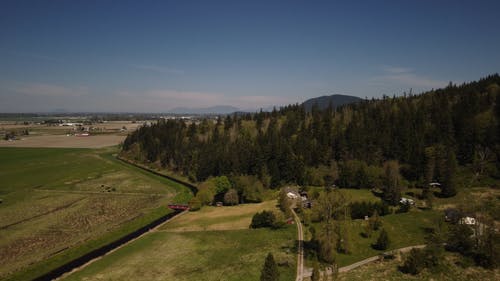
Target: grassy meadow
{"x":452,"y":269}
{"x":214,"y":243}
{"x":213,"y":218}
{"x":404,"y":230}
{"x":407,"y":229}
{"x":58,"y":204}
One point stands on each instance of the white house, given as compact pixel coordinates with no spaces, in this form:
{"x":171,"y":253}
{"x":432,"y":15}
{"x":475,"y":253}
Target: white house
{"x":467,"y":221}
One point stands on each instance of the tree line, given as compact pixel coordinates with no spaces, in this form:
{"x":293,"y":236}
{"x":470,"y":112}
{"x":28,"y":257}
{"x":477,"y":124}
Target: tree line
{"x":413,"y":138}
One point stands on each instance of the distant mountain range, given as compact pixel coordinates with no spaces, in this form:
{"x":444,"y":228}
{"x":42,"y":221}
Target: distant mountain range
{"x":324,"y":101}
{"x":218,"y":109}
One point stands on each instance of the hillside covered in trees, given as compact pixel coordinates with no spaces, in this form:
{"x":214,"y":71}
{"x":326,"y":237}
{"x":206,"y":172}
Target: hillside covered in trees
{"x":334,"y":101}
{"x":425,"y":137}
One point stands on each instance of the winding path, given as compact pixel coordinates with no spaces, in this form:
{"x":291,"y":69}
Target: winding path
{"x":375,"y":258}
{"x":300,"y":246}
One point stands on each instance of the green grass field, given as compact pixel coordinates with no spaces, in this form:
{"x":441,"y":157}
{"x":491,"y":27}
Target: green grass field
{"x":211,"y":244}
{"x":449,"y":271}
{"x":219,"y":218}
{"x":58,"y":204}
{"x":199,"y":255}
{"x":405,"y":229}
{"x":357,"y":195}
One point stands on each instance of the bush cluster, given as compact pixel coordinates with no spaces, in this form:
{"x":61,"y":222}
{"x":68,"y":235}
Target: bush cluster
{"x":264,"y":219}
{"x":361,"y":209}
{"x":382,"y":241}
{"x":419,"y":259}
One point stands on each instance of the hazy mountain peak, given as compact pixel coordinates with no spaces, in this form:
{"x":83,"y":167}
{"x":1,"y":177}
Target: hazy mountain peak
{"x":324,"y":101}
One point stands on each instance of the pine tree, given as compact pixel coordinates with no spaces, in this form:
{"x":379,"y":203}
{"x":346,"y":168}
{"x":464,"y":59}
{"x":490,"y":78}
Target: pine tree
{"x":231,"y":197}
{"x":414,"y":262}
{"x":382,"y":241}
{"x":374,"y":221}
{"x":270,"y":270}
{"x":392,"y":189}
{"x":279,"y":147}
{"x":368,"y":229}
{"x":315,"y":273}
{"x":448,"y":185}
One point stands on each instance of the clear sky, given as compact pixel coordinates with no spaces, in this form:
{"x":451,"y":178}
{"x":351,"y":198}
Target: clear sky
{"x":151,"y":56}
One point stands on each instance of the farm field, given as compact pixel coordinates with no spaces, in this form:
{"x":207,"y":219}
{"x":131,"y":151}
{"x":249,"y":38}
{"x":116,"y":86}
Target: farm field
{"x":64,"y":141}
{"x":107,"y":126}
{"x":211,"y":244}
{"x":59,"y":203}
{"x":40,"y":135}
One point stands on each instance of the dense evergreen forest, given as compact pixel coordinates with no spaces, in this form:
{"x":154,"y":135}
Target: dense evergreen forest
{"x":426,"y":137}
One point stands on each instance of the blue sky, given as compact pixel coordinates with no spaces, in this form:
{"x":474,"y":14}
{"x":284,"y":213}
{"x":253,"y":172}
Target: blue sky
{"x":151,"y":56}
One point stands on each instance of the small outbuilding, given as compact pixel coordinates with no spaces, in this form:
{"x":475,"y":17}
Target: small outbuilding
{"x":467,"y":221}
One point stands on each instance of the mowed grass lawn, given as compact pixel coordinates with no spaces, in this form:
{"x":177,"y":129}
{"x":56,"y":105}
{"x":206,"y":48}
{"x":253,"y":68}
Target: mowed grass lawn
{"x":214,"y":243}
{"x":58,"y":204}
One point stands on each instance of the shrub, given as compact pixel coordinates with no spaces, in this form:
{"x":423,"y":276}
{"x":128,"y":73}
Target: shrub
{"x":418,"y":259}
{"x":278,"y":224}
{"x":284,"y":202}
{"x":250,"y":188}
{"x":205,"y":196}
{"x":316,"y":275}
{"x":263,"y":219}
{"x":194,"y":204}
{"x":403,"y":208}
{"x":222,"y":184}
{"x":382,"y":241}
{"x":361,"y":209}
{"x":459,"y":239}
{"x":270,"y":270}
{"x":414,"y":263}
{"x":231,"y":197}
{"x":374,"y":222}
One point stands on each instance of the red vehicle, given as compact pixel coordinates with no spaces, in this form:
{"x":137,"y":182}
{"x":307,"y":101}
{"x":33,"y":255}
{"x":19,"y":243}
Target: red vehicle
{"x":178,"y":206}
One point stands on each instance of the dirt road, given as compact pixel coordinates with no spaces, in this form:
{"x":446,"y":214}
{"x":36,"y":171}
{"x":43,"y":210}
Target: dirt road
{"x":375,"y":258}
{"x":300,"y":252}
